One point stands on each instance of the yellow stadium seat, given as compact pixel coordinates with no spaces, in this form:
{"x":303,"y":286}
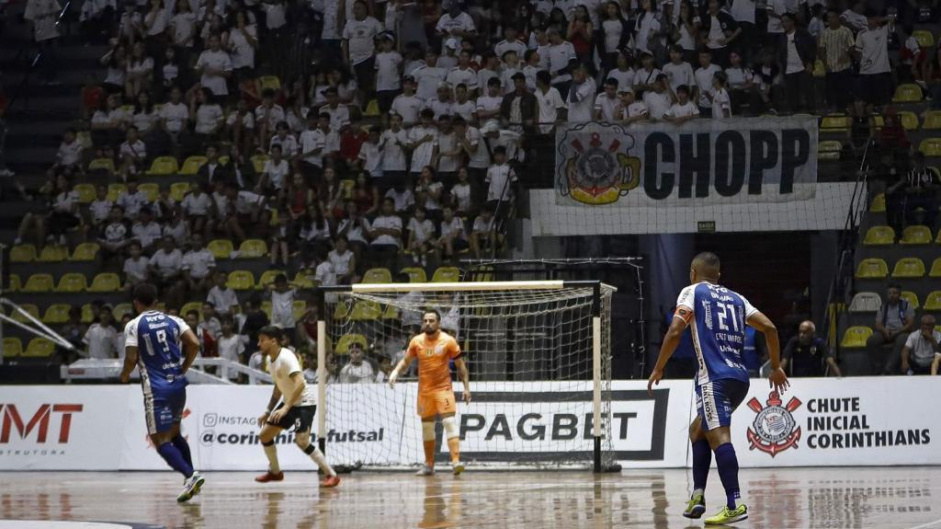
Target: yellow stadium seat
{"x":56,"y":314}
{"x":223,"y":160}
{"x":907,"y":93}
{"x":346,"y":188}
{"x":820,"y":69}
{"x":39,"y":348}
{"x":909,"y":120}
{"x":269,"y":82}
{"x":930,"y":146}
{"x":933,"y":301}
{"x":879,"y":236}
{"x":856,"y":337}
{"x":101,"y":164}
{"x":300,"y":308}
{"x":916,"y":235}
{"x":924,"y":38}
{"x":372,"y":109}
{"x":266,"y":308}
{"x":121,"y":309}
{"x":258,"y":162}
{"x":12,"y":347}
{"x":53,"y":254}
{"x":178,"y":190}
{"x":87,"y":314}
{"x":152,"y":190}
{"x":415,"y":274}
{"x":16,"y":285}
{"x":865,"y":302}
{"x":835,"y":123}
{"x":192,"y":164}
{"x":878,"y":204}
{"x":377,"y":275}
{"x":221,"y":248}
{"x":829,"y":150}
{"x":241,"y":280}
{"x":873,"y":268}
{"x":267,"y":278}
{"x":366,"y":310}
{"x":911,"y":298}
{"x":909,"y":267}
{"x":72,"y":283}
{"x":446,"y":274}
{"x":932,"y":120}
{"x":391,"y":313}
{"x":84,"y":252}
{"x":252,"y":248}
{"x":347,"y":340}
{"x":115,"y":190}
{"x":304,"y":280}
{"x":164,"y":166}
{"x":86,"y":192}
{"x":483,"y":273}
{"x":191,"y":306}
{"x":342,"y":310}
{"x":39,"y":283}
{"x":106,"y":282}
{"x":23,"y":253}
{"x":935,"y":268}
{"x":30,"y":309}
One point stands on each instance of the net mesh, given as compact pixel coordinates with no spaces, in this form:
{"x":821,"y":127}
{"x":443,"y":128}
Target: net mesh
{"x":529,"y":355}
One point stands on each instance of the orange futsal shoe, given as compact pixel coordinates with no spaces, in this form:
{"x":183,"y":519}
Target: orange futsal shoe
{"x":268,"y":476}
{"x":330,"y":482}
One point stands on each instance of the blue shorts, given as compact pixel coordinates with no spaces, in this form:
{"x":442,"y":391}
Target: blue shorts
{"x":716,"y":400}
{"x":163,"y":409}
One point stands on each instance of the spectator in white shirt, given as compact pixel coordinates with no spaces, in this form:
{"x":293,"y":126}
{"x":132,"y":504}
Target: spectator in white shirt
{"x":421,"y":232}
{"x":393,"y":143}
{"x":630,"y":110}
{"x":231,"y":346}
{"x":215,"y":67}
{"x":197,"y":208}
{"x":581,"y":98}
{"x":388,"y":75}
{"x":221,"y":296}
{"x":100,"y":336}
{"x":550,"y":102}
{"x":501,"y":179}
{"x":146,"y":231}
{"x":721,"y":103}
{"x":198,"y":265}
{"x":174,"y":114}
{"x":359,"y":46}
{"x":684,"y":109}
{"x":702,"y":92}
{"x":70,"y":151}
{"x":136,"y":268}
{"x":407,"y":105}
{"x":607,"y":101}
{"x":453,"y":238}
{"x":872,"y":52}
{"x":560,"y":55}
{"x":483,"y":235}
{"x":358,"y":370}
{"x":422,"y":139}
{"x":385,"y":233}
{"x":133,"y":153}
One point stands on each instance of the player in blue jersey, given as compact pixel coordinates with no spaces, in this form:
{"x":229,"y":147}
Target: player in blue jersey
{"x":717,"y":317}
{"x":163,"y":347}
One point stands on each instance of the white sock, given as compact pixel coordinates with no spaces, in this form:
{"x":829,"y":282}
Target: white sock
{"x":321,"y":461}
{"x":271,"y":452}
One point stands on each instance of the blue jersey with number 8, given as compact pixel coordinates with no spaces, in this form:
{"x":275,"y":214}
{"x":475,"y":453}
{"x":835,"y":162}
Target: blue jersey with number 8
{"x":716,"y":318}
{"x":157,"y":337}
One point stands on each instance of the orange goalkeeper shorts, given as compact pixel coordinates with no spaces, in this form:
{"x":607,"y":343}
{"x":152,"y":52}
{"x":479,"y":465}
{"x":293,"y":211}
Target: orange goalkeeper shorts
{"x":438,"y":403}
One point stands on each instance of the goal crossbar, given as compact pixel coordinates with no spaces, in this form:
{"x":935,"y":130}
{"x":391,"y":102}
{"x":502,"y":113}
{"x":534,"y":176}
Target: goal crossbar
{"x":475,"y":286}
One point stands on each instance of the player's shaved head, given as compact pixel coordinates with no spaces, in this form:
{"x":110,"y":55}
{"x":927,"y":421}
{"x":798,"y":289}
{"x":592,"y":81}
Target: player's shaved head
{"x":705,"y":267}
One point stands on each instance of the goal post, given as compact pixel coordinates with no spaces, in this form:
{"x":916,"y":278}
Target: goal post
{"x":539,"y":357}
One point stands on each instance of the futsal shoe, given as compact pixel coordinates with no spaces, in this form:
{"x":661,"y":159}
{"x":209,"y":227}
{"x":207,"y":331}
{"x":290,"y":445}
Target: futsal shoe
{"x":425,"y":471}
{"x":727,"y":515}
{"x":695,"y":507}
{"x":270,"y":476}
{"x":457,"y":467}
{"x":191,"y":487}
{"x":330,"y":482}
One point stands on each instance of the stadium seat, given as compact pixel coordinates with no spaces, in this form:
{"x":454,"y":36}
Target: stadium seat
{"x":932,"y":120}
{"x":935,"y":268}
{"x":241,"y":280}
{"x":483,"y":273}
{"x":873,"y":268}
{"x":223,"y":160}
{"x":366,"y":310}
{"x":916,"y":235}
{"x":347,"y":340}
{"x":342,"y":310}
{"x":446,"y":274}
{"x":835,"y":123}
{"x":192,"y":164}
{"x":253,"y":248}
{"x":152,"y":190}
{"x":221,"y":248}
{"x":879,"y":236}
{"x":16,"y":284}
{"x":87,"y":313}
{"x":85,"y":252}
{"x":909,"y":267}
{"x":269,"y":82}
{"x":106,"y":282}
{"x":909,"y":120}
{"x":266,"y":308}
{"x":72,"y":283}
{"x":12,"y":347}
{"x":415,"y":274}
{"x":865,"y":302}
{"x":924,"y":38}
{"x":258,"y":162}
{"x":377,"y":275}
{"x":372,"y":109}
{"x":856,"y":337}
{"x":267,"y":278}
{"x":907,"y":93}
{"x":101,"y":164}
{"x":39,"y":348}
{"x":30,"y":309}
{"x":930,"y":147}
{"x":346,"y":188}
{"x":38,"y":283}
{"x":164,"y":166}
{"x":191,"y":306}
{"x":53,"y":254}
{"x":304,"y":279}
{"x":23,"y":253}
{"x":178,"y":190}
{"x":829,"y":150}
{"x":911,"y":298}
{"x":121,"y":309}
{"x":56,"y":314}
{"x":114,"y":190}
{"x":300,"y":307}
{"x":820,"y":69}
{"x":86,"y":193}
{"x":878,"y":204}
{"x":933,"y":301}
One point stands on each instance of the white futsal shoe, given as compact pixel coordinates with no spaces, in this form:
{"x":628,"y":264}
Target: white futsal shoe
{"x":191,"y":487}
{"x":425,"y":471}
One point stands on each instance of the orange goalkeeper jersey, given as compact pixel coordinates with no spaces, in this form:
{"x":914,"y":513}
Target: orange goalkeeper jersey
{"x":434,"y":358}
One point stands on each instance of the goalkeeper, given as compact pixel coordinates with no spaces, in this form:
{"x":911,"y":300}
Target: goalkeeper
{"x":434,"y":350}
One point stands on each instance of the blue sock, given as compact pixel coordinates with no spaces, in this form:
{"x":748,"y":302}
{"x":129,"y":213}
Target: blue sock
{"x":175,"y":459}
{"x":180,"y":443}
{"x":702,"y":458}
{"x":728,"y":472}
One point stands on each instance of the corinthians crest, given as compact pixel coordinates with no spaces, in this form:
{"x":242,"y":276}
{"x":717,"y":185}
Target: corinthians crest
{"x":594,"y":165}
{"x":774,"y":428}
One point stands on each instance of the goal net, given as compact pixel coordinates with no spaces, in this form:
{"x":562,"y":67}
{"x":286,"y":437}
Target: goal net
{"x":539,"y":358}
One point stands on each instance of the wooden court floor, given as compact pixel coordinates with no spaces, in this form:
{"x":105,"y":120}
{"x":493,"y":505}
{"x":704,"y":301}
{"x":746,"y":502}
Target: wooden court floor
{"x":883,"y":498}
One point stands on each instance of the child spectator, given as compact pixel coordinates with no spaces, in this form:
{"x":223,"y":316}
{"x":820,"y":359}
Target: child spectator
{"x":136,"y":268}
{"x":221,"y":296}
{"x":282,"y":304}
{"x":421,"y":231}
{"x":231,"y":346}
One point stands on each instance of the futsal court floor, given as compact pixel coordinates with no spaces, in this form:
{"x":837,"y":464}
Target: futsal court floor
{"x":883,"y":498}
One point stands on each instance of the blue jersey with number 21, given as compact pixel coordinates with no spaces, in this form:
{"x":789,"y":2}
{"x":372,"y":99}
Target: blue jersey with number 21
{"x":157,"y":337}
{"x":716,"y":318}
